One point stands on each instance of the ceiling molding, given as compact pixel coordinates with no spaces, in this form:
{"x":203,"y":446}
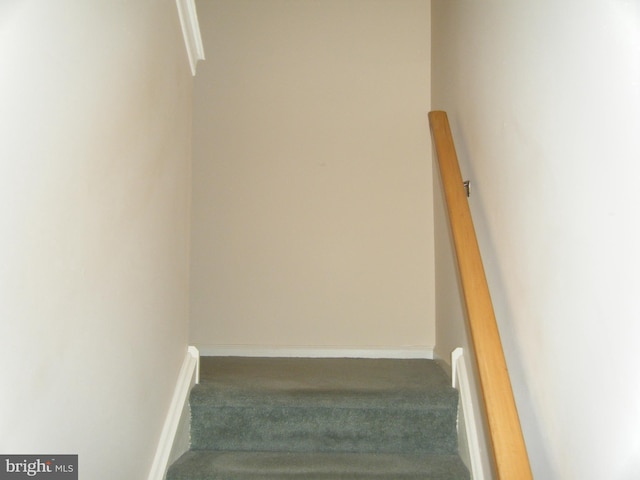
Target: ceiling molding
{"x":191,"y":32}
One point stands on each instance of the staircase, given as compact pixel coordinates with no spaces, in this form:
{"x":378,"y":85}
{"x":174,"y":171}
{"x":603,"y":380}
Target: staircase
{"x":292,"y":418}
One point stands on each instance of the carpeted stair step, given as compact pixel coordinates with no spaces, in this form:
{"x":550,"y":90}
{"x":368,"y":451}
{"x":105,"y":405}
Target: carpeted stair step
{"x":324,"y":405}
{"x":268,"y":418}
{"x":208,"y":465}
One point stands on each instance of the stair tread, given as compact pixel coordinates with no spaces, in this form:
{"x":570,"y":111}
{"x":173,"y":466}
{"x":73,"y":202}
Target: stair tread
{"x":213,"y":465}
{"x":335,"y":383}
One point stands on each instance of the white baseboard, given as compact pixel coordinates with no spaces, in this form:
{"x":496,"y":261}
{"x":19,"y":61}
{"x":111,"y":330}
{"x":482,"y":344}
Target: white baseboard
{"x":315,"y":352}
{"x":188,"y":376}
{"x":472,"y":455}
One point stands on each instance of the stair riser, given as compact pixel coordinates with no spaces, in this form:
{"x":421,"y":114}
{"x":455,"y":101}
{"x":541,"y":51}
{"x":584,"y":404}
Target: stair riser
{"x":316,"y":466}
{"x":318,"y":429}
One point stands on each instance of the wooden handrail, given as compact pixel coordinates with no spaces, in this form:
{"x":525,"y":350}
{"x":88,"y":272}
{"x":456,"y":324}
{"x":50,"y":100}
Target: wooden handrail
{"x":509,"y":451}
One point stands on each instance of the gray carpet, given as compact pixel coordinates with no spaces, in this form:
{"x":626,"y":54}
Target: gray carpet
{"x":258,"y":418}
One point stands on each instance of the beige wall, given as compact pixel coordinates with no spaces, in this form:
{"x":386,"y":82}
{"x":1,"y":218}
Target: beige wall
{"x":544,"y":101}
{"x":312,"y":203}
{"x":94,"y":195}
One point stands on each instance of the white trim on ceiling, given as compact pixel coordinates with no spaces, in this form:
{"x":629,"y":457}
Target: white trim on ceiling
{"x":191,"y":32}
